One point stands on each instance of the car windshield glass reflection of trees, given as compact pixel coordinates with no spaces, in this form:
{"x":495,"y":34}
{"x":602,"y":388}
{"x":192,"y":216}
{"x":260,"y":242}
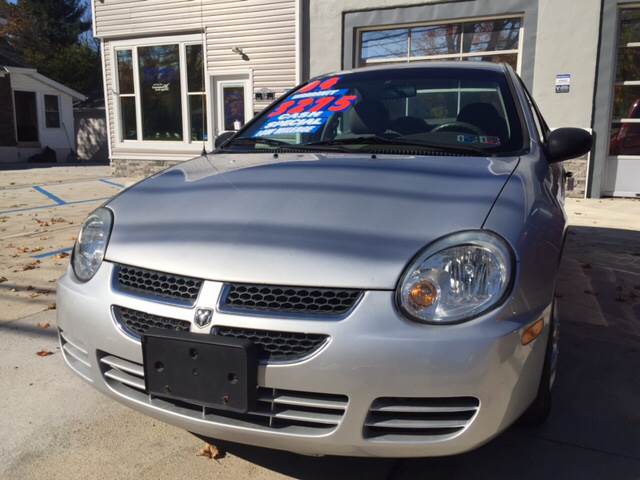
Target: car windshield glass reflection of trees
{"x":160,"y":92}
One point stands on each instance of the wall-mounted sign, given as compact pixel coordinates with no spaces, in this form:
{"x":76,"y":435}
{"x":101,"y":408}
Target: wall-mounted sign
{"x":160,"y":87}
{"x":563,"y":83}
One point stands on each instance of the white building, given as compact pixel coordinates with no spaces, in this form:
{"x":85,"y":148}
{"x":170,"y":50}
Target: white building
{"x":35,"y":113}
{"x":178,"y":72}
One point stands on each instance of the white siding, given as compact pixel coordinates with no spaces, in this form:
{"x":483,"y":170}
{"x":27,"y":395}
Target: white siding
{"x":59,"y":139}
{"x":265,"y":30}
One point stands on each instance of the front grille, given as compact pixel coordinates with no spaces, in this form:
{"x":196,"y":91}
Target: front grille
{"x":289,"y":300}
{"x":409,"y":419}
{"x":277,"y":345}
{"x":272,"y":345}
{"x":137,"y":323}
{"x":165,"y":286}
{"x":294,"y":412}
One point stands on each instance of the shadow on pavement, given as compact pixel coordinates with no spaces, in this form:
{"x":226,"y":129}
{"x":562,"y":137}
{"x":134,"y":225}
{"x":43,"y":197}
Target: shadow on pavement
{"x":594,"y":428}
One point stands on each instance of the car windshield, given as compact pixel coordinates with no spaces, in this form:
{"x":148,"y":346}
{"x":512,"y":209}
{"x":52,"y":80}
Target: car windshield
{"x":468,"y":111}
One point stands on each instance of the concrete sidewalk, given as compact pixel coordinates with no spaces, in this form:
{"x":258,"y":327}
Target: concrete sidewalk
{"x":55,"y":426}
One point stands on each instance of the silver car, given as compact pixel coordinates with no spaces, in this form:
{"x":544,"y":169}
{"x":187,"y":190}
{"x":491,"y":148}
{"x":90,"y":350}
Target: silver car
{"x":366,"y":268}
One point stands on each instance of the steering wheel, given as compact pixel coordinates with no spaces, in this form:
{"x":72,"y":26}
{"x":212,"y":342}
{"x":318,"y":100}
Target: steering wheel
{"x":456,"y":126}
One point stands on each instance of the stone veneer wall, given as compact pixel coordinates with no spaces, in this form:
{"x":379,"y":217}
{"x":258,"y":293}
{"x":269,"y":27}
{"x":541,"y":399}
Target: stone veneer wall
{"x":139,"y":168}
{"x":578,"y":168}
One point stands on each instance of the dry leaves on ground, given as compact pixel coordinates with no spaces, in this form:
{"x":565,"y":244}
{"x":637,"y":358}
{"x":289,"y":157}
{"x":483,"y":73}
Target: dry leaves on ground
{"x":3,"y":279}
{"x":29,"y":250}
{"x":51,"y":306}
{"x":31,"y":266}
{"x":44,"y":353}
{"x":211,"y":452}
{"x":43,"y":325}
{"x":62,"y":255}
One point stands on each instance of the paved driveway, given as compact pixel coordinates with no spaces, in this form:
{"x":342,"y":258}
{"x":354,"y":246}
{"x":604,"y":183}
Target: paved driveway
{"x":54,"y":426}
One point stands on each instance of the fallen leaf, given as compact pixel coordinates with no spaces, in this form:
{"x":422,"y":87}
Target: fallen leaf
{"x":30,"y":287}
{"x":43,"y":325}
{"x":62,"y":255}
{"x":57,"y":220}
{"x":211,"y":452}
{"x":44,"y":353}
{"x":51,"y":306}
{"x":3,"y":279}
{"x":34,"y":295}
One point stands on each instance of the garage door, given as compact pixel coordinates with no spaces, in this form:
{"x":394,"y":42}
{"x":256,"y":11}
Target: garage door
{"x":622,"y":176}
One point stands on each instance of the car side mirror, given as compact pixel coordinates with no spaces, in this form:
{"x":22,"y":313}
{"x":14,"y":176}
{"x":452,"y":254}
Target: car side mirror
{"x":566,"y":143}
{"x":223,"y":138}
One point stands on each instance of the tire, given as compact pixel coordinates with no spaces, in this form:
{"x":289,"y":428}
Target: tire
{"x":538,"y":412}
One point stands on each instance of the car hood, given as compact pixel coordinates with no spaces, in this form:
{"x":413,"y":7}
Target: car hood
{"x":333,"y":220}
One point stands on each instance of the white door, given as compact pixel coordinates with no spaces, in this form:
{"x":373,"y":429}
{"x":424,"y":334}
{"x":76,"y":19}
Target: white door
{"x":233,"y":101}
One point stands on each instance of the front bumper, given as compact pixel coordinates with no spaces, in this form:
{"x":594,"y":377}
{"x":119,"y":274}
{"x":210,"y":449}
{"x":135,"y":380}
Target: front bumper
{"x":372,"y":353}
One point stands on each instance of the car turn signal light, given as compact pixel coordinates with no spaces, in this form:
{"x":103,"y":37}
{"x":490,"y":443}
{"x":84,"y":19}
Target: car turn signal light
{"x":423,"y":294}
{"x":532,"y":332}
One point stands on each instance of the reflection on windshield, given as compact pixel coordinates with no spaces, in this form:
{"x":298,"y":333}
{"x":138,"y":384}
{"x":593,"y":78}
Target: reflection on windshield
{"x":442,"y":108}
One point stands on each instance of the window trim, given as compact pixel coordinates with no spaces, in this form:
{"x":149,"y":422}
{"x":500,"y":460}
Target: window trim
{"x":453,"y":56}
{"x":44,"y":108}
{"x":186,"y":144}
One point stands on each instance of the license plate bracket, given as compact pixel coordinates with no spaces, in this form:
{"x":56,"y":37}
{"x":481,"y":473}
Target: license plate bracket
{"x":208,"y":370}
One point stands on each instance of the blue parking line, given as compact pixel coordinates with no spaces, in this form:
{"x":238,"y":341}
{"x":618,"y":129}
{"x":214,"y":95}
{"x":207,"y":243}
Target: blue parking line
{"x":41,"y":207}
{"x":52,"y":253}
{"x":109,"y":182}
{"x":49,"y":195}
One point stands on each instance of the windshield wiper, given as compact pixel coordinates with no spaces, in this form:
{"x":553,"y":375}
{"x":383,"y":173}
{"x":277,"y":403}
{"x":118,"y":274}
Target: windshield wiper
{"x":280,"y":145}
{"x":253,"y":140}
{"x":379,"y":140}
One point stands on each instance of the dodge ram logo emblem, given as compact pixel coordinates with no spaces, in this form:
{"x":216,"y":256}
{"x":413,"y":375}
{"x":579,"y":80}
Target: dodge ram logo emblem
{"x":203,"y":317}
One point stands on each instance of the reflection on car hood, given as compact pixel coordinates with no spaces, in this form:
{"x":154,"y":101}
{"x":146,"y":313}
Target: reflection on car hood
{"x":335,"y":220}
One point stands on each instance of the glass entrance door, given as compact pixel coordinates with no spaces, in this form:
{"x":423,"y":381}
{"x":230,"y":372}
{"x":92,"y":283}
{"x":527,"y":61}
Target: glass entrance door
{"x":623,"y":164}
{"x":234,"y":106}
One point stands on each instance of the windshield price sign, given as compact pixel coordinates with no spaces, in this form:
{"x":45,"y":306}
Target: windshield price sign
{"x":308,"y":109}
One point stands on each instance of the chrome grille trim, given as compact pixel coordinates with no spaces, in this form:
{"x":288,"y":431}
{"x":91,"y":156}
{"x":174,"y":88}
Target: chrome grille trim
{"x":288,"y":301}
{"x":156,"y":286}
{"x":410,"y":419}
{"x":301,"y":413}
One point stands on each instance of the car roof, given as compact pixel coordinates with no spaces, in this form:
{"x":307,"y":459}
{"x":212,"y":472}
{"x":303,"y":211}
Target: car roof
{"x":426,"y":64}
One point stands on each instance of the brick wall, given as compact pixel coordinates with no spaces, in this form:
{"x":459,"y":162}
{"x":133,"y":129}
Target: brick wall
{"x":138,"y":168}
{"x":7,"y":126}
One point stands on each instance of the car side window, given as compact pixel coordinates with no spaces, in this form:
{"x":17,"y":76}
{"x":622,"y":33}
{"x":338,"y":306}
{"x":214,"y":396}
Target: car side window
{"x":541,"y":125}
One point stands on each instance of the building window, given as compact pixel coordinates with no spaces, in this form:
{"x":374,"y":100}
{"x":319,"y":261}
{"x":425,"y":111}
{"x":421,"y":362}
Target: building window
{"x":196,"y":93}
{"x":161,"y":92}
{"x":126,"y":94}
{"x":495,"y":40}
{"x":160,"y":97}
{"x":51,"y":111}
{"x":625,"y":125}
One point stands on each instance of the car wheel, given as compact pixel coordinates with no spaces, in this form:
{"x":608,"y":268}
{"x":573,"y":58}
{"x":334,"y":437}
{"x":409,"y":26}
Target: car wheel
{"x":539,"y":410}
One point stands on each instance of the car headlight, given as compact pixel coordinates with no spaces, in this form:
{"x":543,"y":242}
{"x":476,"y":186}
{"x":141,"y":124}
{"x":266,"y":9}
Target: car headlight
{"x":456,"y":278}
{"x":88,"y":252}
